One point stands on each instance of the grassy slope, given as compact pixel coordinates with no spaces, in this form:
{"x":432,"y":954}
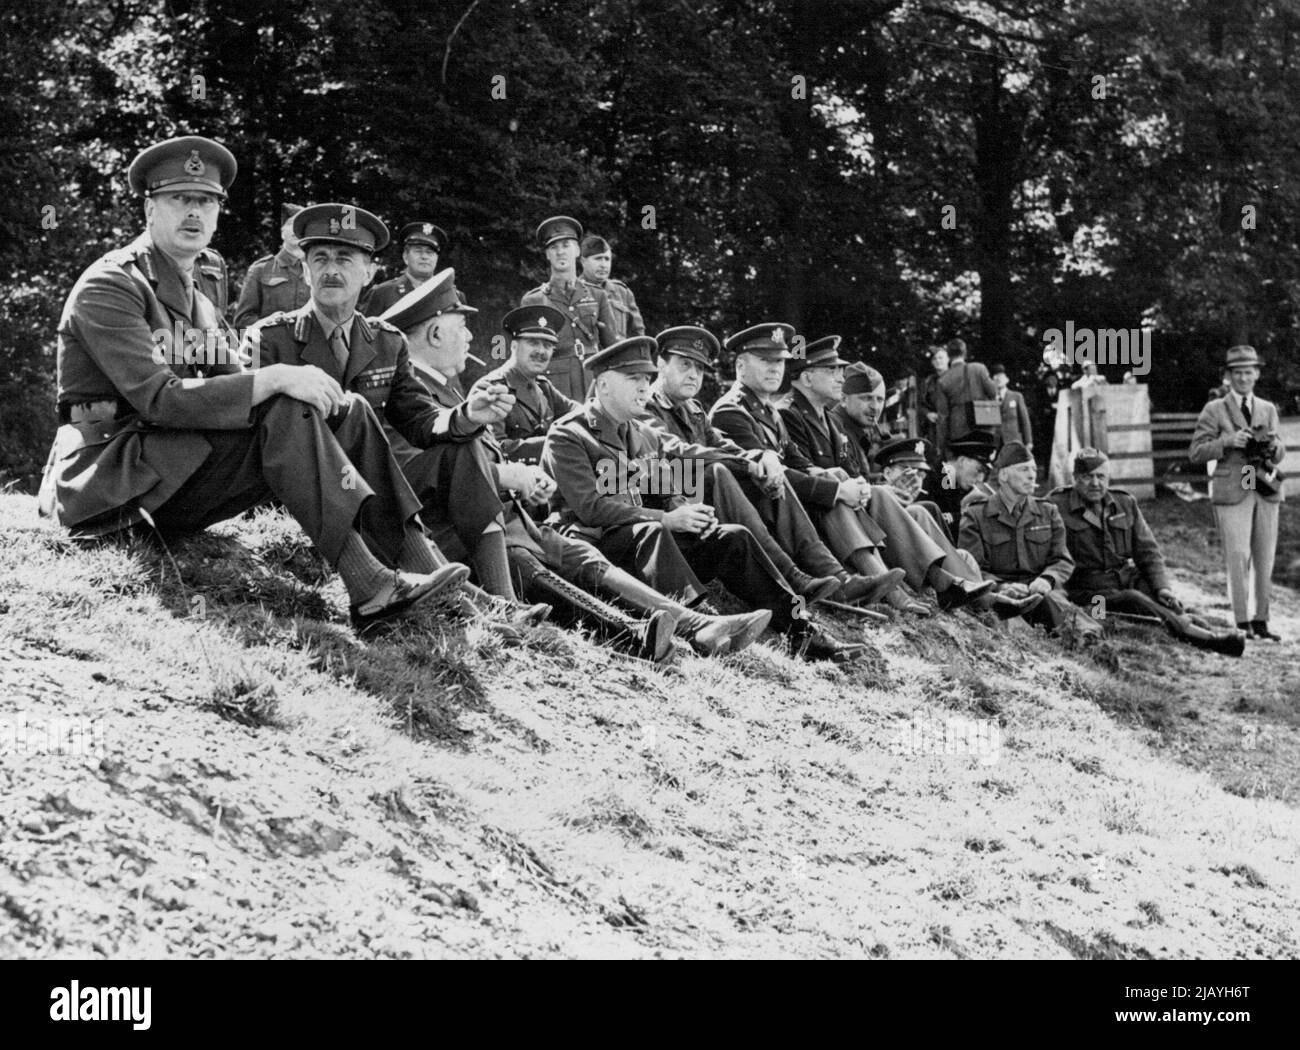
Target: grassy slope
{"x":273,"y":788}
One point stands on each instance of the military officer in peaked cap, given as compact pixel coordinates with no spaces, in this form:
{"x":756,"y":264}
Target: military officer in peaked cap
{"x":534,"y":332}
{"x":755,"y":494}
{"x":1117,"y":558}
{"x":1019,"y":540}
{"x":183,"y":446}
{"x":602,"y":455}
{"x":275,"y":283}
{"x":591,"y":322}
{"x":422,"y":243}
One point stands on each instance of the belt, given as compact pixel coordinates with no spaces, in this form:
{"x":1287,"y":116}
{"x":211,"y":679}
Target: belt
{"x":93,"y":411}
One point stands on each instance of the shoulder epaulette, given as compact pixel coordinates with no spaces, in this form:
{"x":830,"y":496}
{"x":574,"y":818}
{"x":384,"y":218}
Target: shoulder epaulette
{"x":382,"y":325}
{"x":976,"y":496}
{"x":279,"y":317}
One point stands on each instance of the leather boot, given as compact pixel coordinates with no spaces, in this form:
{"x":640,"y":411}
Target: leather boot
{"x":475,"y":598}
{"x":650,"y":639}
{"x":868,"y":589}
{"x":708,"y":633}
{"x":1226,"y":643}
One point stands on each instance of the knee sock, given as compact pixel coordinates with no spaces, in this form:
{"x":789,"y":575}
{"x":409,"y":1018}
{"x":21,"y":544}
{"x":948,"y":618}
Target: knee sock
{"x":417,"y":554}
{"x":491,"y":565}
{"x":363,"y":574}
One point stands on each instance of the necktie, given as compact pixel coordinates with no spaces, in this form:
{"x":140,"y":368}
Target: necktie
{"x":1245,"y":409}
{"x":339,"y":348}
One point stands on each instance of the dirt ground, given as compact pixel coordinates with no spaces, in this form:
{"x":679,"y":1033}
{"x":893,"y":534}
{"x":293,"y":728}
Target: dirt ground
{"x":209,"y":765}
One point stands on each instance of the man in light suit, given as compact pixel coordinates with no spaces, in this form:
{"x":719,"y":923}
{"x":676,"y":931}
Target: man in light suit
{"x":1240,"y":431}
{"x":961,"y":384}
{"x":1015,"y":416}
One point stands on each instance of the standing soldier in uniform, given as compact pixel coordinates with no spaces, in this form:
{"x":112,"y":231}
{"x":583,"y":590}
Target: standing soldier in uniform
{"x":597,"y":258}
{"x":601,"y":454}
{"x":963,"y":383}
{"x":928,"y":401}
{"x":533,"y":333}
{"x":1019,"y":540}
{"x":183,"y":447}
{"x":422,"y":243}
{"x":1117,"y":562}
{"x":275,"y":283}
{"x":591,"y":317}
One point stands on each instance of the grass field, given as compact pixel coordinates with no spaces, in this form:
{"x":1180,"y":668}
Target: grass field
{"x":247,"y":780}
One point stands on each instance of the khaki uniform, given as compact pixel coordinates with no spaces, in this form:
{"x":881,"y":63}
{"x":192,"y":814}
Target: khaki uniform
{"x":274,"y":284}
{"x":627,"y":315}
{"x":537,"y":405}
{"x":1018,"y":546}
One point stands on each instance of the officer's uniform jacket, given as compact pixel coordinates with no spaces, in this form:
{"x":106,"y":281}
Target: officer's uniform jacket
{"x":627,"y":315}
{"x":1106,"y":547}
{"x":591,"y":327}
{"x":383,"y":295}
{"x":752,"y":423}
{"x":953,"y":391}
{"x":587,"y":454}
{"x":688,"y":421}
{"x":378,"y":368}
{"x":274,"y":284}
{"x":537,"y":405}
{"x":1019,"y":546}
{"x":132,"y":409}
{"x":951,"y":500}
{"x":1218,"y":422}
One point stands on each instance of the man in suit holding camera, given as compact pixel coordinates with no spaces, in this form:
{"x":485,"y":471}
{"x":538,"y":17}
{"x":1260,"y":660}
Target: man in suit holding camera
{"x":1240,"y":431}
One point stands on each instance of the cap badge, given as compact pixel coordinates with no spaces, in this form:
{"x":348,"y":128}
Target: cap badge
{"x":542,"y":322}
{"x":427,"y":228}
{"x":697,"y":344}
{"x":778,"y":337}
{"x":194,"y":165}
{"x":335,"y":225}
{"x":920,"y":448}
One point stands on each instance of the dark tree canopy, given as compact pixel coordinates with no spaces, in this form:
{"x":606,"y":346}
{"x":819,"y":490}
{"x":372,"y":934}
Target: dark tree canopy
{"x":899,"y":173}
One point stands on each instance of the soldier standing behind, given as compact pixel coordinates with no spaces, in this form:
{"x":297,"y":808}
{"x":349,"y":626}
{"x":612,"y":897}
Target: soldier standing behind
{"x":956,"y":391}
{"x":422,"y":243}
{"x":1015,"y":416}
{"x":275,"y":283}
{"x":597,"y":259}
{"x":591,"y":317}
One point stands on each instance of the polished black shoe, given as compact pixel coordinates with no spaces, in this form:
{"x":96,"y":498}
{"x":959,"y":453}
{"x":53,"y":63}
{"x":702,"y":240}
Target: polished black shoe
{"x":1259,"y":629}
{"x":962,"y":592}
{"x":409,"y":591}
{"x":869,"y":589}
{"x":814,"y":588}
